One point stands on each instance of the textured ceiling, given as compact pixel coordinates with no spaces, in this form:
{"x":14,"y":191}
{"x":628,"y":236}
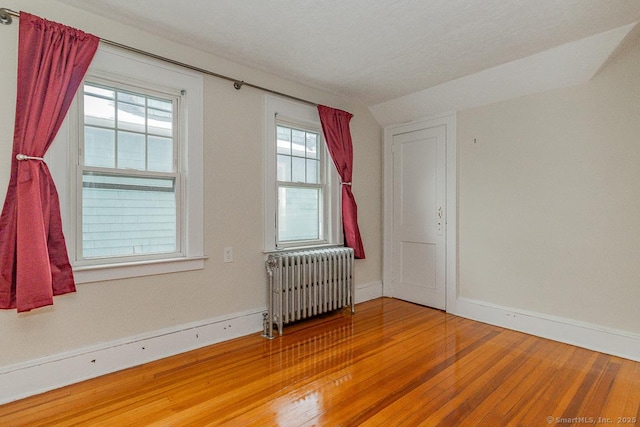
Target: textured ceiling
{"x":371,"y":50}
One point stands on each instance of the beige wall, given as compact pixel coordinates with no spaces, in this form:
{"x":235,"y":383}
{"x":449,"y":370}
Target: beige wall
{"x":549,"y":199}
{"x":102,"y":312}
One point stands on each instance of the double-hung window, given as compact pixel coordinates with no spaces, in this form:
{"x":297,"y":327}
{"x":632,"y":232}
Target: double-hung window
{"x":130,"y":197}
{"x":128,"y":166}
{"x":301,"y":203}
{"x":301,"y":185}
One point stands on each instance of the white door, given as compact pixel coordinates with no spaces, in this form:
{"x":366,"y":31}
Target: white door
{"x":419,"y":163}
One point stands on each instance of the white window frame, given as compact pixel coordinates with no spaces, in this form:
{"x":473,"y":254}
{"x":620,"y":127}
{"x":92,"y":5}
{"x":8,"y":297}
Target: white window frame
{"x":113,"y":64}
{"x":176,"y":174}
{"x":296,"y":114}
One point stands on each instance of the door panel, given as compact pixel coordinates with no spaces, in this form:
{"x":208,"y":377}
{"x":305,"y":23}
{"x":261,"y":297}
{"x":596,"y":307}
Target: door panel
{"x":418,"y":265}
{"x":418,"y":211}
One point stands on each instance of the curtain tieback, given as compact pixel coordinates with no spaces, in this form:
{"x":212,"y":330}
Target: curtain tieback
{"x":25,"y":157}
{"x":345,"y":183}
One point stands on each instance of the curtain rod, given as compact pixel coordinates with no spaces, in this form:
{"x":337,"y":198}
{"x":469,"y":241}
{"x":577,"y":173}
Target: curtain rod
{"x":6,"y":19}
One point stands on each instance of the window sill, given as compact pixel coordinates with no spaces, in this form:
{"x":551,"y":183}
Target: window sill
{"x":301,"y":248}
{"x":99,"y":273}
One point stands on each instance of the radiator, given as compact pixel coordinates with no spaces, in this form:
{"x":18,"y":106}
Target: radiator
{"x":303,"y":284}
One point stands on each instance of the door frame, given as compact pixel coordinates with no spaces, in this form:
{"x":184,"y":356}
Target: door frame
{"x":451,"y":211}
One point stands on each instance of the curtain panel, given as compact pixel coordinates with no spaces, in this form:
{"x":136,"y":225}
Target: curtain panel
{"x":34,"y":265}
{"x":337,"y":134}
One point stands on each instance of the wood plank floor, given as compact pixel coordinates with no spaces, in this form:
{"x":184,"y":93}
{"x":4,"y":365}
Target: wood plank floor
{"x":391,"y":364}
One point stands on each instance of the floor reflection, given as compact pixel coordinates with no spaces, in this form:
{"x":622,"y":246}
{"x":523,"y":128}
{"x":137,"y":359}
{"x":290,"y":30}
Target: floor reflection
{"x":309,"y":370}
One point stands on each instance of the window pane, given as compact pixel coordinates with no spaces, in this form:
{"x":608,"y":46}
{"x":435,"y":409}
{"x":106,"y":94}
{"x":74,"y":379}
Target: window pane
{"x":298,"y":142}
{"x":131,"y":117}
{"x":125,"y":215}
{"x":284,"y":140}
{"x":160,"y":154}
{"x":284,"y":168}
{"x":99,"y":147}
{"x":160,"y":104}
{"x":99,"y":91}
{"x":132,"y":98}
{"x":312,"y":171}
{"x":131,"y":151}
{"x":99,"y":111}
{"x":298,"y":214}
{"x":312,"y":145}
{"x":159,"y":122}
{"x":298,"y":170}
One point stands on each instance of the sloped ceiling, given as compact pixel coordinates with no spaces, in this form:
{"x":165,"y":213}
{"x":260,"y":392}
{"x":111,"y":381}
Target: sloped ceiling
{"x":373,"y":51}
{"x":566,"y":65}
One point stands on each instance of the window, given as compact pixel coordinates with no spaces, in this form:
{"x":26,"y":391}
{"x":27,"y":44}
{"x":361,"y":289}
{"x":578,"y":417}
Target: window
{"x":300,"y":185}
{"x":302,"y":204}
{"x":129,"y":199}
{"x":122,"y":163}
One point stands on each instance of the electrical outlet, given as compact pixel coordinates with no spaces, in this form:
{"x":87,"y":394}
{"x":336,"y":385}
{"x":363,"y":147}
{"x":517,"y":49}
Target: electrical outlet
{"x":227,"y":255}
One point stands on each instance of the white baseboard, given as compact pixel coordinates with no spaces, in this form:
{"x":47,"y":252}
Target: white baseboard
{"x":593,"y":337}
{"x":368,"y":291}
{"x":48,"y":373}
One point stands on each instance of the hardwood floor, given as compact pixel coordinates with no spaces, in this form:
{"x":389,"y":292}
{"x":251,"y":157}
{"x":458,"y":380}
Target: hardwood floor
{"x":391,"y":364}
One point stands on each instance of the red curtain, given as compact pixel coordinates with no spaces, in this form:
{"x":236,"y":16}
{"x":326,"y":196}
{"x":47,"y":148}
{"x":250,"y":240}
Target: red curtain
{"x":335,"y":126}
{"x":34,"y":265}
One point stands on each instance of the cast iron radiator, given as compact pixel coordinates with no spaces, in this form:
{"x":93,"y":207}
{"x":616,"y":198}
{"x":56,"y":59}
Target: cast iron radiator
{"x":306,"y":283}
